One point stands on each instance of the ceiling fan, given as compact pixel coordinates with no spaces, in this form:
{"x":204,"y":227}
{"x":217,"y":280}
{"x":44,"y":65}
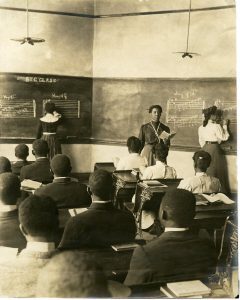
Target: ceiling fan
{"x":187,"y":53}
{"x":28,"y":39}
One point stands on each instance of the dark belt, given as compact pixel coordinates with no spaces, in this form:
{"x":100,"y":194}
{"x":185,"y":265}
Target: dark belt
{"x":207,"y":142}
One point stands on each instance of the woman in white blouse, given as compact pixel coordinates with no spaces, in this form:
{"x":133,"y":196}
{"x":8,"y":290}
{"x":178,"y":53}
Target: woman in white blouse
{"x":211,"y":134}
{"x":201,"y":182}
{"x":160,"y":170}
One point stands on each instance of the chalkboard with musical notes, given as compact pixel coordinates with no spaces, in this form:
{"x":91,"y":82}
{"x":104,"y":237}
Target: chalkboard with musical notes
{"x":121,"y":106}
{"x":22,"y":98}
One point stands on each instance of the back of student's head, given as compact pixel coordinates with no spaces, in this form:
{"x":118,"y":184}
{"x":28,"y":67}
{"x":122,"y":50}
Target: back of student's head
{"x":133,"y":144}
{"x":50,"y":107}
{"x":202,"y":160}
{"x":38,"y":216}
{"x":161,"y":152}
{"x":178,"y":208}
{"x":22,"y":151}
{"x":5,"y":165}
{"x":9,"y":188}
{"x":72,"y":274}
{"x":101,"y":184}
{"x":61,"y":165}
{"x":40,"y":148}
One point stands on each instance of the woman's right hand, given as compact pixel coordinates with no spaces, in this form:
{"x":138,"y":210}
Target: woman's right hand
{"x":225,"y":122}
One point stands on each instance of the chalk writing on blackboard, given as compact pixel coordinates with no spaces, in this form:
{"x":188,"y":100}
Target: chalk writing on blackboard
{"x":37,"y":79}
{"x":68,"y":108}
{"x":17,"y":108}
{"x":184,"y":112}
{"x":229,"y":108}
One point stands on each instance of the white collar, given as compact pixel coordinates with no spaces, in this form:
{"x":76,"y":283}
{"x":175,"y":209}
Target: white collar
{"x":200,"y":174}
{"x":158,"y":162}
{"x":5,"y":208}
{"x":99,"y":201}
{"x":41,"y":157}
{"x":40,"y":246}
{"x":49,"y":118}
{"x":167,"y":229}
{"x":135,"y":154}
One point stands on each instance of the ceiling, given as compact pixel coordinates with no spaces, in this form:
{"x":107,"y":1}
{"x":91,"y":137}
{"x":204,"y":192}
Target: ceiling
{"x":103,"y":7}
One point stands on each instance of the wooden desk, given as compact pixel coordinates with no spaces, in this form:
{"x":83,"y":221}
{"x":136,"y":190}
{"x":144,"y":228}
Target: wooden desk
{"x":210,"y":217}
{"x":124,"y":187}
{"x":107,"y":166}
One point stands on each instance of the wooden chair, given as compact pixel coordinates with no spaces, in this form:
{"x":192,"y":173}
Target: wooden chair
{"x":227,"y":269}
{"x":146,"y":200}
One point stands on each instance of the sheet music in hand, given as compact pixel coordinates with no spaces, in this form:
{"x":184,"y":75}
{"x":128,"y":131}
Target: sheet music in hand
{"x":165,"y":135}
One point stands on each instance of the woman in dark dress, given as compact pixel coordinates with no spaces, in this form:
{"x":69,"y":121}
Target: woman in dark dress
{"x":47,"y":129}
{"x":150,"y":133}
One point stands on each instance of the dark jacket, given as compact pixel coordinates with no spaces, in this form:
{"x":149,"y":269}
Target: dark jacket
{"x":17,"y":166}
{"x":171,"y":257}
{"x":66,"y":193}
{"x":10,"y":233}
{"x":148,"y":136}
{"x":37,"y":171}
{"x":100,"y":226}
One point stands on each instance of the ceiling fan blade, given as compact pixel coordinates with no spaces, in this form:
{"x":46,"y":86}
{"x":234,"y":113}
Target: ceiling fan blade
{"x":38,"y":40}
{"x":194,"y":53}
{"x":16,"y":40}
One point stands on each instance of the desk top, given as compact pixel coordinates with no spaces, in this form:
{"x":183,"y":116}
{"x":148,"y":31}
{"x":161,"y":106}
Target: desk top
{"x":125,"y":176}
{"x":107,"y":166}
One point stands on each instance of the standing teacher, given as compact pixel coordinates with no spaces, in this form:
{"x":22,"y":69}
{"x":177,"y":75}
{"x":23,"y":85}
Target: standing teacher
{"x":47,"y":129}
{"x":150,"y":133}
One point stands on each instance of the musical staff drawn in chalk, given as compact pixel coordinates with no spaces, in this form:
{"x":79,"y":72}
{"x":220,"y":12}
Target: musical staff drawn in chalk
{"x":68,"y":108}
{"x":184,"y":112}
{"x":17,"y":108}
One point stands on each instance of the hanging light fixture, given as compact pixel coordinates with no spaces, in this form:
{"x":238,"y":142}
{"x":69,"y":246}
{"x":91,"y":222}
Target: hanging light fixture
{"x":187,"y":53}
{"x":28,"y":39}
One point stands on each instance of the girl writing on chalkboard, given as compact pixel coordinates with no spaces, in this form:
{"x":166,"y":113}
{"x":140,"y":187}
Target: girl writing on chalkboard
{"x":47,"y":129}
{"x":211,"y":134}
{"x":150,"y":134}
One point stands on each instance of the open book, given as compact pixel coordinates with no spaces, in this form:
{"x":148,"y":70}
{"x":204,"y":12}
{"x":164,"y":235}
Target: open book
{"x":75,"y":211}
{"x":203,"y":199}
{"x":153,"y":183}
{"x":30,"y":184}
{"x":165,"y":135}
{"x":124,"y":247}
{"x":189,"y":289}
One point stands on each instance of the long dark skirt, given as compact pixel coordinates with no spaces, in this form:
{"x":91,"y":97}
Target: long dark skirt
{"x":53,"y":144}
{"x":218,"y":166}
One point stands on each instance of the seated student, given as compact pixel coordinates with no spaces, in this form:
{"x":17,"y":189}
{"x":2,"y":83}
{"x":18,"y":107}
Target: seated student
{"x":161,"y":169}
{"x":39,"y":223}
{"x":21,"y":153}
{"x":133,"y":159}
{"x":64,"y":190}
{"x":102,"y":224}
{"x":40,"y":169}
{"x":177,"y":254}
{"x":5,"y":165}
{"x":71,"y":274}
{"x":10,"y":234}
{"x":201,"y":182}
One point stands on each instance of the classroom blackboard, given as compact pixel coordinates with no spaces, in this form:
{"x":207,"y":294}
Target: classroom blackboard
{"x":22,"y":98}
{"x":120,"y":107}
